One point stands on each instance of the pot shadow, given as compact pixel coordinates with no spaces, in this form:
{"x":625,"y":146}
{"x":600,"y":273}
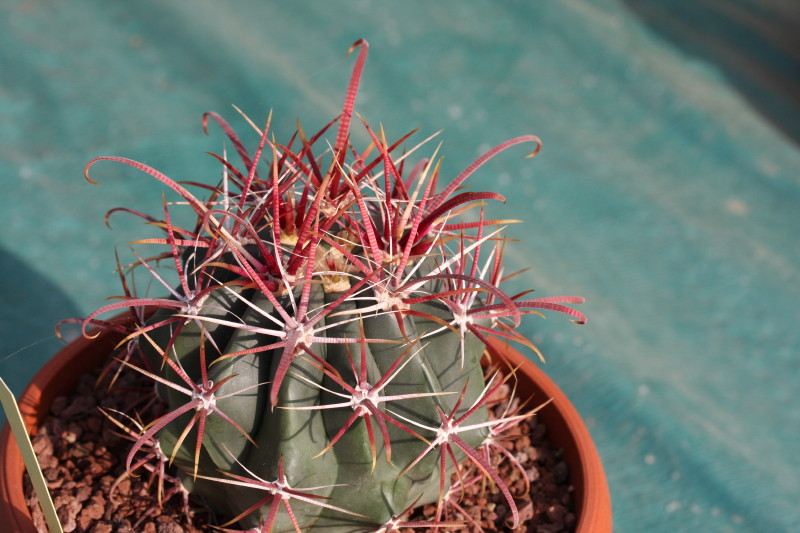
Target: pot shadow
{"x":31,"y":306}
{"x":755,"y":45}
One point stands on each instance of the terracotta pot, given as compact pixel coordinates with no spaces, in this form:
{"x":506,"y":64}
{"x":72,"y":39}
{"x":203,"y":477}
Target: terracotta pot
{"x":566,"y":431}
{"x":60,"y":375}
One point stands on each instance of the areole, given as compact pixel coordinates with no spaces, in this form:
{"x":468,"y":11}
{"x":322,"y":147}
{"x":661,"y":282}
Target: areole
{"x":566,"y":430}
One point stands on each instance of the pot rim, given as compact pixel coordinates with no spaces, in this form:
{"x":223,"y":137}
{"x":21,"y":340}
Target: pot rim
{"x":566,"y":431}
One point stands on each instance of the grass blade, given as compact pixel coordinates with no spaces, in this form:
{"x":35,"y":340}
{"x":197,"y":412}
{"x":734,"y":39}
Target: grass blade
{"x":29,"y":457}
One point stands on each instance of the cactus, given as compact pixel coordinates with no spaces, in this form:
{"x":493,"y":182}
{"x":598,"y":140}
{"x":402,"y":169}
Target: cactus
{"x":319,"y":357}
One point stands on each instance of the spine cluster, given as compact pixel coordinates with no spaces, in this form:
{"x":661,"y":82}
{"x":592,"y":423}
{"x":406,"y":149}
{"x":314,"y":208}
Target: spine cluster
{"x":319,"y":358}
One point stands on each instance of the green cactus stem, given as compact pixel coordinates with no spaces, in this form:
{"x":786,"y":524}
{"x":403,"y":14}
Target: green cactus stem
{"x":320,"y":358}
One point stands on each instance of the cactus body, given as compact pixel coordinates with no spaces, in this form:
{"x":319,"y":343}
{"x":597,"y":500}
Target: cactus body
{"x":320,"y":359}
{"x":296,"y":437}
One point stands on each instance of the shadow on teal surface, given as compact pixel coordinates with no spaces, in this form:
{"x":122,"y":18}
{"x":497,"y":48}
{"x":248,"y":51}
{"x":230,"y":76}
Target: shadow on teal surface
{"x":32,"y":307}
{"x":756,"y":45}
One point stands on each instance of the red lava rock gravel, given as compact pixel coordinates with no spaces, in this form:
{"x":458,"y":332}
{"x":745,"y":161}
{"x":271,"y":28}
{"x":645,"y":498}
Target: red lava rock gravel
{"x":546,"y":508}
{"x":82,"y":455}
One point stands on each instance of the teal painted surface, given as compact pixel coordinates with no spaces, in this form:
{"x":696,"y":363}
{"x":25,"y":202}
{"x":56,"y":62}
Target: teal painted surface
{"x":667,"y":193}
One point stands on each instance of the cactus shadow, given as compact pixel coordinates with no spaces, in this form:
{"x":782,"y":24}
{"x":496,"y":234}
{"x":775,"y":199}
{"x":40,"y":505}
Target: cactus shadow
{"x":30,"y":307}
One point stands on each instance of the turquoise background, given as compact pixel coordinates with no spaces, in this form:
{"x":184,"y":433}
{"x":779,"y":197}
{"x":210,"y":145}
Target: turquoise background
{"x":667,"y":192}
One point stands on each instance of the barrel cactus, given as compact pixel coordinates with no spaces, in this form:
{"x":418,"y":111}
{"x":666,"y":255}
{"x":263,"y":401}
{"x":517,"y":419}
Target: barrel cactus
{"x":319,"y":355}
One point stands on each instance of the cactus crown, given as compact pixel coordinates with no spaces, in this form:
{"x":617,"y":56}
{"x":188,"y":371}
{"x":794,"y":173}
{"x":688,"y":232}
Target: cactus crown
{"x":319,"y":358}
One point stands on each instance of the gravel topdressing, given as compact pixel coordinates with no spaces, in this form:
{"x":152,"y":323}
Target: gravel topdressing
{"x":83,"y":456}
